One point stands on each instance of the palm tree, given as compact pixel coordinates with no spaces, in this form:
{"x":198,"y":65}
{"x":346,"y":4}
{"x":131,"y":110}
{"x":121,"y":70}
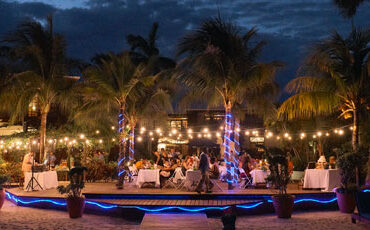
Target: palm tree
{"x":117,"y":88}
{"x":44,"y":54}
{"x":337,"y":80}
{"x":146,"y":51}
{"x":348,"y":8}
{"x":221,"y":67}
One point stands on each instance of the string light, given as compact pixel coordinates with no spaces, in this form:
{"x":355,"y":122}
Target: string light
{"x":139,"y":139}
{"x":174,"y":131}
{"x":113,"y":128}
{"x":150,"y":133}
{"x":100,"y":141}
{"x":97,"y":131}
{"x":340,"y":132}
{"x":82,"y":136}
{"x":319,"y":134}
{"x":158,"y":130}
{"x":205,"y":130}
{"x":286,"y":135}
{"x":247,"y":133}
{"x":303,"y":135}
{"x":190,"y":131}
{"x":113,"y":139}
{"x":327,"y":134}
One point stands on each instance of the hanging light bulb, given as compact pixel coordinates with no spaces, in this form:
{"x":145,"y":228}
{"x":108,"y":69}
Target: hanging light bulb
{"x":97,"y":131}
{"x":319,"y":134}
{"x":218,"y":134}
{"x":100,"y":141}
{"x":174,"y":131}
{"x":199,"y":135}
{"x":113,"y":139}
{"x":150,"y":133}
{"x":143,"y":129}
{"x":158,"y":130}
{"x":314,"y":136}
{"x":340,"y":132}
{"x":278,"y":137}
{"x":82,"y":136}
{"x":247,"y":133}
{"x":113,"y":128}
{"x":238,"y":129}
{"x":327,"y":134}
{"x":205,"y":130}
{"x":303,"y":135}
{"x":221,"y":127}
{"x":139,"y":139}
{"x":286,"y":135}
{"x":190,"y":131}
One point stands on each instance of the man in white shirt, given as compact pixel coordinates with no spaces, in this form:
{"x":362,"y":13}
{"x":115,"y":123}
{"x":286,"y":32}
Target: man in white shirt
{"x":27,"y":162}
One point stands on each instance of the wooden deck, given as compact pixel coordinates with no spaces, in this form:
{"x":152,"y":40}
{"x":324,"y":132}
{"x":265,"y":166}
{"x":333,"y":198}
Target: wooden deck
{"x":157,"y":202}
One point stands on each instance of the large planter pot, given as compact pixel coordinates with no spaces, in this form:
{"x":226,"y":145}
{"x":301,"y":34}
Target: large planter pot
{"x":346,"y":202}
{"x":2,"y":197}
{"x":283,"y":205}
{"x":75,"y":206}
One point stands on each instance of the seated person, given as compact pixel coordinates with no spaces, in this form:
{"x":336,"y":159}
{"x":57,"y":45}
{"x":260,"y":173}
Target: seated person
{"x":157,"y":156}
{"x":214,"y":172}
{"x":332,"y":162}
{"x":187,"y":164}
{"x":167,"y":170}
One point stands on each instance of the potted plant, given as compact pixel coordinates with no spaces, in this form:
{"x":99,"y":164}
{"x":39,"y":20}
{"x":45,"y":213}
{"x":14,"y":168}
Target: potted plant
{"x":352,"y":166}
{"x":3,"y":180}
{"x":75,"y":199}
{"x":279,"y":178}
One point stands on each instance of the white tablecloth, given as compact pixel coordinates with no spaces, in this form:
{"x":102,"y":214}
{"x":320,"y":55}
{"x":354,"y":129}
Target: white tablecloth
{"x":148,"y":175}
{"x":259,"y":176}
{"x":47,"y":180}
{"x":192,"y":179}
{"x":326,"y":179}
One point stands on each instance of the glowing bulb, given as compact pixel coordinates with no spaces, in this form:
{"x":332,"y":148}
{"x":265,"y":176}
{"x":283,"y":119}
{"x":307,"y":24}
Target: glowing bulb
{"x":1,"y":146}
{"x":247,"y":133}
{"x":113,"y":139}
{"x":160,"y":134}
{"x":238,"y":129}
{"x":303,"y":135}
{"x":218,"y":134}
{"x":139,"y":139}
{"x":143,"y":129}
{"x":180,"y":135}
{"x":158,"y":130}
{"x":199,"y":135}
{"x":150,"y":133}
{"x":113,"y":128}
{"x":289,"y":138}
{"x":50,"y":141}
{"x":152,"y":138}
{"x":335,"y":131}
{"x":221,"y":127}
{"x":319,"y":134}
{"x":327,"y":134}
{"x":82,"y":136}
{"x":100,"y":141}
{"x":170,"y":134}
{"x":286,"y":135}
{"x":60,"y":140}
{"x":314,"y":136}
{"x":340,"y":132}
{"x":278,"y":138}
{"x":87,"y":141}
{"x":66,"y":139}
{"x":97,"y":131}
{"x":209,"y":135}
{"x":205,"y":130}
{"x":174,"y":131}
{"x":351,"y":127}
{"x":190,"y":131}
{"x":34,"y":108}
{"x":33,"y":142}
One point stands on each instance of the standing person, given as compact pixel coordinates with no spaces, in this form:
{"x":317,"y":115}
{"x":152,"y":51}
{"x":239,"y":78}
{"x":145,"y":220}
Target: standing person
{"x":204,"y":169}
{"x":27,"y":162}
{"x":50,"y":160}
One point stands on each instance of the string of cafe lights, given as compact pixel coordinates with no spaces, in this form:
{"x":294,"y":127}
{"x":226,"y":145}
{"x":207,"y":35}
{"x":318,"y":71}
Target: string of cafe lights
{"x":189,"y":133}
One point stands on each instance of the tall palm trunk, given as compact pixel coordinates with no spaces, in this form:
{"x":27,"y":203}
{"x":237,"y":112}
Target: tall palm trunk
{"x":44,"y":116}
{"x":227,"y":139}
{"x":122,"y":148}
{"x":132,"y":141}
{"x":355,"y":131}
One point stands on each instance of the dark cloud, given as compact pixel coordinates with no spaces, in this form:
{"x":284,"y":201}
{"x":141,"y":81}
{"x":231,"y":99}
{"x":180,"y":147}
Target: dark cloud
{"x":95,"y":26}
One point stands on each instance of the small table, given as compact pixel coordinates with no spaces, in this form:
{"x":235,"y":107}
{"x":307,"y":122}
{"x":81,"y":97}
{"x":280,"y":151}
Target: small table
{"x":148,"y":175}
{"x":47,"y":180}
{"x":192,"y":179}
{"x":326,"y":179}
{"x":259,"y":176}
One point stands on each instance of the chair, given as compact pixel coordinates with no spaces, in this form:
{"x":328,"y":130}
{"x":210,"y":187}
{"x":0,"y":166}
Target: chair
{"x":246,"y":182}
{"x":179,"y":178}
{"x":170,"y":182}
{"x":363,"y":207}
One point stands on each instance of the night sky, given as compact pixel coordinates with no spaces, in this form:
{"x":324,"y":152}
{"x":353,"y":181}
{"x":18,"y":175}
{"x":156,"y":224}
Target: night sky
{"x":93,"y":26}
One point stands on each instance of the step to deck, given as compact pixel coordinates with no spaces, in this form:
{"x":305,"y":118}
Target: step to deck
{"x":174,"y":221}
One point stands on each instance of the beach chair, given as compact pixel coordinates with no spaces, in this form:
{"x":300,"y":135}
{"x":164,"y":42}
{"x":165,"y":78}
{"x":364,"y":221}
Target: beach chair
{"x":170,"y":182}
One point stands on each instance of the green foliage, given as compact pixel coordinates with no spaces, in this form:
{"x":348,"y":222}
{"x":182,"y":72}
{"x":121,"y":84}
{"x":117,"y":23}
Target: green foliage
{"x":77,"y":182}
{"x":278,"y":165}
{"x":3,"y":180}
{"x":348,"y":163}
{"x":99,"y":170}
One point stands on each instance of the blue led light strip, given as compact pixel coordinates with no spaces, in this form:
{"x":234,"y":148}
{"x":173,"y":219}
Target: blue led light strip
{"x":159,"y":209}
